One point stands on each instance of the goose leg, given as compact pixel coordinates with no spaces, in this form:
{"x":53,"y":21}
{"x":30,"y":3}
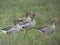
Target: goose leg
{"x":24,"y":31}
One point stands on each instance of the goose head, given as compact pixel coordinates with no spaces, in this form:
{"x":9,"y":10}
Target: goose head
{"x":34,"y":14}
{"x":28,"y":12}
{"x":53,"y":20}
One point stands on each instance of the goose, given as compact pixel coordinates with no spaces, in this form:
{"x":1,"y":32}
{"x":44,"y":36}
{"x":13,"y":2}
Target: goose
{"x":32,"y":23}
{"x":11,"y":29}
{"x":48,"y":29}
{"x":24,"y":19}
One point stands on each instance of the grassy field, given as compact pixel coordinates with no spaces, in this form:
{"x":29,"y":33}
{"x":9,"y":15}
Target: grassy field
{"x":47,"y":9}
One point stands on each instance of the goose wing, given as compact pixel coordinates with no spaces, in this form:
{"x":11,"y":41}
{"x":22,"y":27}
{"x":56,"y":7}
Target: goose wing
{"x":22,"y":19}
{"x":25,"y":24}
{"x":43,"y":28}
{"x":7,"y":28}
{"x":19,"y":20}
{"x":28,"y":19}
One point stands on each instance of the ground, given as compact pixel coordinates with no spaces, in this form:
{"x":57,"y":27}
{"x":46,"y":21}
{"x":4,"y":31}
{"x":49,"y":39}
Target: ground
{"x":47,"y":9}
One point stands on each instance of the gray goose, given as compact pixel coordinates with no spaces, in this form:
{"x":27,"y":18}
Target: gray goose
{"x":48,"y":29}
{"x":10,"y":29}
{"x":24,"y":19}
{"x":32,"y":23}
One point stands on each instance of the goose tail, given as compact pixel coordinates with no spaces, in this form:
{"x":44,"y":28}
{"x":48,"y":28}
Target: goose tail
{"x":39,"y":31}
{"x":3,"y":31}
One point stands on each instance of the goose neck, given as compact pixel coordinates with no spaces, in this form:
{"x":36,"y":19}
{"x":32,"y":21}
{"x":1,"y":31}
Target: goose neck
{"x":33,"y":17}
{"x":26,"y":15}
{"x":17,"y":25}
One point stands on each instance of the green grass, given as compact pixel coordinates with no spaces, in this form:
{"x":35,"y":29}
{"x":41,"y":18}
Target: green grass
{"x":47,"y":9}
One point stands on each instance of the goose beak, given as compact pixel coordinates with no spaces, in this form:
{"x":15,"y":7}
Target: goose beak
{"x":56,"y":19}
{"x":29,"y":12}
{"x":37,"y":14}
{"x":19,"y":18}
{"x":59,"y":17}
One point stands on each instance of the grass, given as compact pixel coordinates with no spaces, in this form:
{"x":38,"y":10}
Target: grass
{"x":47,"y":9}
